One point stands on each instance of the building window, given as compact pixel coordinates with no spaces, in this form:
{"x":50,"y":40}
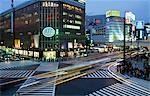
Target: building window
{"x":67,"y":33}
{"x":50,"y":4}
{"x":71,"y":21}
{"x":35,"y":13}
{"x":26,"y":22}
{"x":78,"y":33}
{"x":71,"y":26}
{"x":70,"y":15}
{"x":78,"y":16}
{"x":64,"y":13}
{"x":68,"y":7}
{"x":78,"y":22}
{"x":37,"y":20}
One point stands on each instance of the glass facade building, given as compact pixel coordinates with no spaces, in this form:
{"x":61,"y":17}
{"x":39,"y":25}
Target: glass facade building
{"x":66,"y":17}
{"x":114,"y":29}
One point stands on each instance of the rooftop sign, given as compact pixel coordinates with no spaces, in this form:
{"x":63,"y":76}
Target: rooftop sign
{"x":113,"y":13}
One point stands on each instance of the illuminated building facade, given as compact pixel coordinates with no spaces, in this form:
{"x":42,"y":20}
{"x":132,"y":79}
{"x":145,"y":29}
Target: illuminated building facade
{"x":107,"y":28}
{"x":66,"y":17}
{"x":114,"y":29}
{"x":96,"y":25}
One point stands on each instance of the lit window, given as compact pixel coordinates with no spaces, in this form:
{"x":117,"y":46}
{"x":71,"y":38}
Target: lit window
{"x":26,"y":22}
{"x":71,"y":26}
{"x":71,"y":21}
{"x":67,"y":33}
{"x":64,"y":20}
{"x":35,"y":13}
{"x":37,"y":20}
{"x":78,"y":16}
{"x":78,"y":33}
{"x":64,"y":13}
{"x":70,"y":15}
{"x":78,"y":22}
{"x":49,"y":4}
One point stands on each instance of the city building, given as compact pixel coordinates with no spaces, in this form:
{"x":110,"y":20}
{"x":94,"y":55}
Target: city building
{"x":147,"y":31}
{"x":110,"y":27}
{"x":105,"y":28}
{"x":48,"y":28}
{"x":95,"y":26}
{"x":130,"y":22}
{"x":114,"y":29}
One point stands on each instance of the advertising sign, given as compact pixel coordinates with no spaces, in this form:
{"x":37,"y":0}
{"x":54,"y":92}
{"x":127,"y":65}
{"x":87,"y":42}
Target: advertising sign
{"x":82,"y":1}
{"x":70,"y":45}
{"x":113,"y":13}
{"x":48,"y":32}
{"x":140,"y":25}
{"x":17,"y":43}
{"x":130,"y":18}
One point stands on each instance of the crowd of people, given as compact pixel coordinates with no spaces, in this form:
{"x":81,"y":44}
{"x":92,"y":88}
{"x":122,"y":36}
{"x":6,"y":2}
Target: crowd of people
{"x":131,"y":70}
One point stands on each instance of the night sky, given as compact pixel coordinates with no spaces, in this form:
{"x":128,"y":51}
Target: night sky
{"x":141,"y":8}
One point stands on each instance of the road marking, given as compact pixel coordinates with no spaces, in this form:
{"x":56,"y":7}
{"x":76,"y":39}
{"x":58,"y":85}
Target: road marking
{"x":120,"y":90}
{"x":15,"y":73}
{"x":98,"y":74}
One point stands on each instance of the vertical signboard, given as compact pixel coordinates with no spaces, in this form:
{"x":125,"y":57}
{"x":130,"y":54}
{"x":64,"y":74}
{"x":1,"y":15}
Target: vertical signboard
{"x":140,"y":25}
{"x":130,"y":18}
{"x":112,"y":13}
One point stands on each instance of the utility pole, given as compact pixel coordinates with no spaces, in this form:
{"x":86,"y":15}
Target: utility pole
{"x":12,"y":22}
{"x":124,"y":43}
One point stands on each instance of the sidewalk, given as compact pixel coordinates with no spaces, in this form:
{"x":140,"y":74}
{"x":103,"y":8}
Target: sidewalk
{"x":141,"y":82}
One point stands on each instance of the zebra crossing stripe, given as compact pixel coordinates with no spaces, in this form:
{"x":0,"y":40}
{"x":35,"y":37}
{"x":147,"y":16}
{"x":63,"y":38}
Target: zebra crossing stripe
{"x":101,"y":93}
{"x":45,"y":91}
{"x":15,"y":73}
{"x":127,"y":89}
{"x":116,"y":93}
{"x":98,"y":74}
{"x":91,"y":95}
{"x":104,"y":73}
{"x":118,"y":89}
{"x":132,"y":90}
{"x":108,"y":94}
{"x":109,"y":90}
{"x":101,"y":74}
{"x":27,"y":74}
{"x":95,"y":75}
{"x":95,"y":94}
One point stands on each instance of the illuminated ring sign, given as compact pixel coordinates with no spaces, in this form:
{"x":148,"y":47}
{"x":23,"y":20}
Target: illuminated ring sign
{"x":48,"y":32}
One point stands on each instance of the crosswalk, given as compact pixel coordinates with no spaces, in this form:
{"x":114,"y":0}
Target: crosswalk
{"x":98,"y":74}
{"x":15,"y":73}
{"x":16,"y":64}
{"x":119,"y":90}
{"x":36,"y":90}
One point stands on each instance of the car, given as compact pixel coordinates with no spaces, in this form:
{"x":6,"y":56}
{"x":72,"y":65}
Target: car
{"x":7,"y":57}
{"x":17,"y":59}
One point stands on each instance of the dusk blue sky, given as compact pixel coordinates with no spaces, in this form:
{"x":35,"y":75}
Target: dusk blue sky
{"x":141,"y":8}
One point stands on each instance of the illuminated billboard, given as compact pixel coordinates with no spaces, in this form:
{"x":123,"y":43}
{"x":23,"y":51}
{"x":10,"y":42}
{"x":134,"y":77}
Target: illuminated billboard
{"x":130,"y":18}
{"x":81,"y":1}
{"x":113,"y":13}
{"x":140,"y":25}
